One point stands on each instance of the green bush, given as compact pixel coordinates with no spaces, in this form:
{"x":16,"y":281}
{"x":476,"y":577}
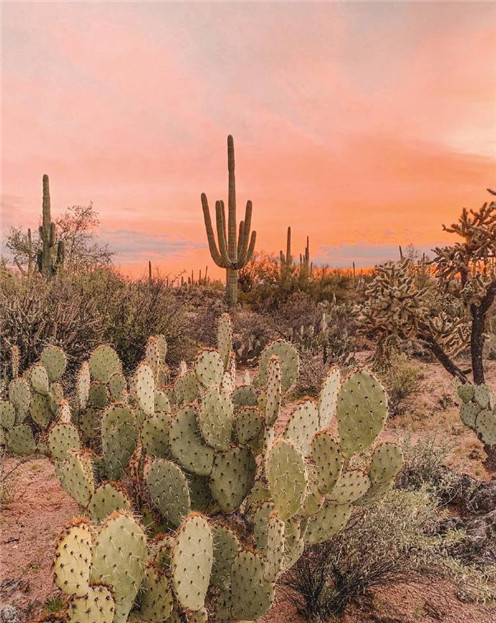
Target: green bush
{"x":402,"y":380}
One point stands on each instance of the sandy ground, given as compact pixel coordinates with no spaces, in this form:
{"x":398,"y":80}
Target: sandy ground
{"x":35,"y":508}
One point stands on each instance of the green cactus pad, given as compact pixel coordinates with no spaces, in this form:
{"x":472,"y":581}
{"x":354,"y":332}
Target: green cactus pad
{"x":469,"y":413}
{"x":466,"y":392}
{"x":302,"y":425}
{"x":327,"y":522}
{"x":73,"y":553}
{"x":96,"y":606}
{"x":117,"y":386}
{"x":162,"y":346}
{"x":20,"y":439}
{"x":483,"y":396}
{"x":248,"y":424}
{"x":329,"y":397}
{"x":215,"y":418}
{"x":232,"y":477}
{"x":40,"y":410}
{"x":63,"y":436}
{"x":186,"y":444}
{"x":119,"y":439}
{"x":287,"y":477}
{"x":485,"y":427}
{"x":168,"y":490}
{"x":294,"y":544}
{"x":89,"y":422}
{"x":313,"y":498}
{"x":245,"y":396}
{"x":226,"y":546}
{"x":55,"y":396}
{"x":20,"y":397}
{"x":108,"y":497}
{"x":65,"y":412}
{"x":328,"y":461}
{"x":192,"y":559}
{"x":272,"y":398}
{"x":155,"y":433}
{"x":98,"y":395}
{"x":209,"y":367}
{"x":289,"y":362}
{"x":274,"y":550}
{"x":152,"y":354}
{"x":350,"y":487}
{"x":252,"y":594}
{"x":7,"y":414}
{"x":144,"y":387}
{"x":259,"y":493}
{"x":361,"y":412}
{"x":260,"y":514}
{"x":83,"y":382}
{"x":224,"y":339}
{"x":199,"y":492}
{"x":104,"y":362}
{"x":157,"y":600}
{"x":386,"y":463}
{"x":38,"y":377}
{"x":228,"y":383}
{"x":119,"y":559}
{"x":161,"y":401}
{"x":76,"y":476}
{"x":186,"y":387}
{"x":54,"y":361}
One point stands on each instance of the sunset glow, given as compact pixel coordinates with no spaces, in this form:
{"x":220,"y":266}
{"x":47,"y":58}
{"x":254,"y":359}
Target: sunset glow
{"x":361,"y":125}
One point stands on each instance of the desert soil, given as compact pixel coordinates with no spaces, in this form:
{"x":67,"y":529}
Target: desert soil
{"x":35,"y":508}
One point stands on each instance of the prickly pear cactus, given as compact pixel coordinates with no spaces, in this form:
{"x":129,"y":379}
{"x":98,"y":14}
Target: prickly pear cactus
{"x":202,"y":458}
{"x":478,"y":412}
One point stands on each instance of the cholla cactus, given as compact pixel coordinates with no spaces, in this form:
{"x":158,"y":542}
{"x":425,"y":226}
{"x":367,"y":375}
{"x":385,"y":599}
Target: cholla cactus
{"x":398,"y":308}
{"x":232,"y":251}
{"x":51,"y":255}
{"x":198,"y":460}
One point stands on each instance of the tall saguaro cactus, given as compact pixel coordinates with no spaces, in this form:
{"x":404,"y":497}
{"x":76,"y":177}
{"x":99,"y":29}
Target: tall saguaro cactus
{"x":233,"y":250}
{"x":51,"y":255}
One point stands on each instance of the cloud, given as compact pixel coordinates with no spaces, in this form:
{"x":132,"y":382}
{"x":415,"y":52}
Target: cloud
{"x":363,"y":255}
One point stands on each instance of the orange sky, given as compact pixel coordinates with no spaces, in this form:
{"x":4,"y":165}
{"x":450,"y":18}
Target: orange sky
{"x":362,"y":125}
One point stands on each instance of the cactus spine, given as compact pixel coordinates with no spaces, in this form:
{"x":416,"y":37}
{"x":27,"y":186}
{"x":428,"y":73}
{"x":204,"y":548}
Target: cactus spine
{"x":232,"y":251}
{"x":51,"y":254}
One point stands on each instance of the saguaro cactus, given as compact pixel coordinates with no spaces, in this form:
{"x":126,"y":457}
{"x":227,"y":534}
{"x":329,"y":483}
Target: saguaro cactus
{"x":286,"y":259}
{"x":232,"y":251}
{"x":51,"y":255}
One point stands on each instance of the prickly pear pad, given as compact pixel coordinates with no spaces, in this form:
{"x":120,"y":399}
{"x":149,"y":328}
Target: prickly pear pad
{"x":104,"y":362}
{"x":61,"y":438}
{"x":232,"y":477}
{"x":96,"y":606}
{"x":386,"y":463}
{"x":108,"y":497}
{"x":327,"y":522}
{"x":328,"y":460}
{"x":73,"y":552}
{"x":54,"y":361}
{"x":361,"y":411}
{"x":187,"y":446}
{"x":192,"y":559}
{"x":168,"y":490}
{"x":329,"y":397}
{"x":287,"y":477}
{"x":119,"y":558}
{"x":252,"y":594}
{"x":209,"y":367}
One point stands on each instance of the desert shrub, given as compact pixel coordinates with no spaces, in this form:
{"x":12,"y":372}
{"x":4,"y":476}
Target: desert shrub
{"x":138,"y":307}
{"x":312,"y":373}
{"x":382,"y":544}
{"x":402,"y":379}
{"x":424,"y":465}
{"x":64,"y":311}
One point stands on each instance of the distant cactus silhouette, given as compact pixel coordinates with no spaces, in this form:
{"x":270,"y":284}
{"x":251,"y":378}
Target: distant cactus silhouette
{"x":51,"y":255}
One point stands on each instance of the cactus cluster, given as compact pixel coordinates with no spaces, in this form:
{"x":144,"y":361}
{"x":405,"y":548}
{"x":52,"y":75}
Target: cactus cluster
{"x":227,"y":505}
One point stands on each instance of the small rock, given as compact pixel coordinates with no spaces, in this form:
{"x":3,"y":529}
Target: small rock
{"x":9,"y":615}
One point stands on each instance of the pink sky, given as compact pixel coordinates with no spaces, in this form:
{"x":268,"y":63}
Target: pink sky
{"x":362,"y":125}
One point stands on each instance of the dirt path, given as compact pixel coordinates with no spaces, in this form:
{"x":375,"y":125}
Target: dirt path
{"x":33,"y":512}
